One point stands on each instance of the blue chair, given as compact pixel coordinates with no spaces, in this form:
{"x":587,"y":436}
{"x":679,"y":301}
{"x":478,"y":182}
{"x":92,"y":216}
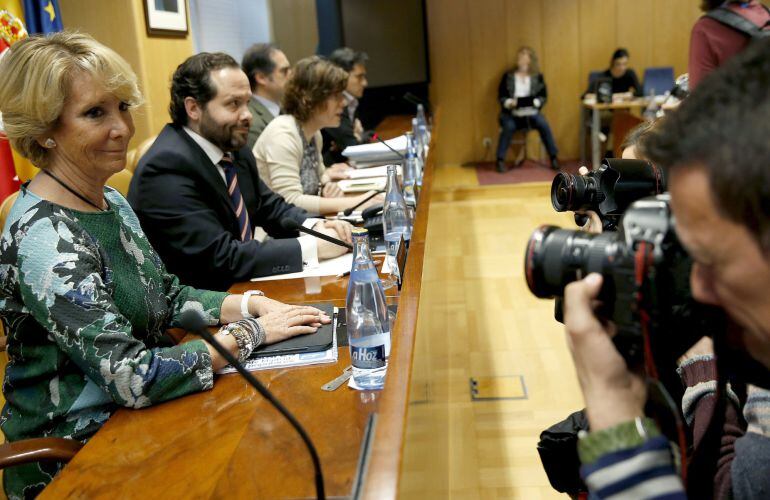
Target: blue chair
{"x":658,"y":80}
{"x":592,"y":77}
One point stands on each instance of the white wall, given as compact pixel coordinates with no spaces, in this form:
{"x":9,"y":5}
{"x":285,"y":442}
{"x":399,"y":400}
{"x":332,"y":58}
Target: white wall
{"x":229,"y":26}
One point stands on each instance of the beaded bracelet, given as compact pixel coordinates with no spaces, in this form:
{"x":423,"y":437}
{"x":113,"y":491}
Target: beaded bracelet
{"x":248,"y":334}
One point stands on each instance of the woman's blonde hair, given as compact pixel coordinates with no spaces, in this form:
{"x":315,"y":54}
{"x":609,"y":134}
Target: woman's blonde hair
{"x":534,"y":64}
{"x":312,"y":82}
{"x":35,"y":76}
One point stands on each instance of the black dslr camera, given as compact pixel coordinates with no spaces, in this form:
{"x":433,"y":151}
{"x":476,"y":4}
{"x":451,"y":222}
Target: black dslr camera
{"x":646,"y":272}
{"x":608,"y":191}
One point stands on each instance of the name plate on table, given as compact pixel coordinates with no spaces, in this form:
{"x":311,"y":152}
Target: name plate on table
{"x":400,"y":261}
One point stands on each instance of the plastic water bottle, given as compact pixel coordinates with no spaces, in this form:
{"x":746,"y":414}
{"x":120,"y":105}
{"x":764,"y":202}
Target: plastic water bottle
{"x":410,"y":170}
{"x":420,"y":152}
{"x":368,"y":324}
{"x":422,"y":124}
{"x":395,"y":217}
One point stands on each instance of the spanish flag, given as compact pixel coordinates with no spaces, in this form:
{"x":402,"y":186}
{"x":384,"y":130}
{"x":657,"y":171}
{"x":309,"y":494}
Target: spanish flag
{"x":11,"y":30}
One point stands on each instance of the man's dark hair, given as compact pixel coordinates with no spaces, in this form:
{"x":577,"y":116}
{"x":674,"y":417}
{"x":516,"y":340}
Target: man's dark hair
{"x":723,"y":127}
{"x":258,"y":59}
{"x":192,"y":78}
{"x":346,"y":58}
{"x":621,"y":52}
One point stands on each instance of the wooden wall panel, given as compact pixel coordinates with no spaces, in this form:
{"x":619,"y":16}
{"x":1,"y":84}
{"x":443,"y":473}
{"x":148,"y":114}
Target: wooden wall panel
{"x":488,"y":55}
{"x":121,"y":26}
{"x":449,"y":48}
{"x":295,"y":27}
{"x":472,"y":42}
{"x":561,"y":68}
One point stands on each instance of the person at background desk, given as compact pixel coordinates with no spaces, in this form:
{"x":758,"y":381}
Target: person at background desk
{"x":268,"y":70}
{"x":198,"y":194}
{"x":350,"y":131}
{"x":84,"y":298}
{"x":288,"y":152}
{"x":522,"y":94}
{"x":624,"y":80}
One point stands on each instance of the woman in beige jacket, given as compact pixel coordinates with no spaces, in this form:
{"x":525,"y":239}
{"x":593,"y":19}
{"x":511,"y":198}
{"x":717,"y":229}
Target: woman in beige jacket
{"x":288,"y":151}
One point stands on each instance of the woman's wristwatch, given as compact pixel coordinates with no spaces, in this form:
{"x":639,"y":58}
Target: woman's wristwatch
{"x":245,"y":302}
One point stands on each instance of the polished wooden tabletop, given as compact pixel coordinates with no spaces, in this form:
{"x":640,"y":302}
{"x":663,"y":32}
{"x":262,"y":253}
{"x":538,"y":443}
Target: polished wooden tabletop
{"x":230,"y":442}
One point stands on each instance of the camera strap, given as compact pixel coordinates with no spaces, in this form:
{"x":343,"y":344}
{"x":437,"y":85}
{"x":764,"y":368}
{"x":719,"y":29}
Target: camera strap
{"x":643,"y":263}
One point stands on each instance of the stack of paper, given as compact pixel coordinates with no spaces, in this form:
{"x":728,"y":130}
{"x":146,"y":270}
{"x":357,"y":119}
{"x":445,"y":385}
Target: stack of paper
{"x":286,"y":360}
{"x":381,"y":171}
{"x":376,"y":151}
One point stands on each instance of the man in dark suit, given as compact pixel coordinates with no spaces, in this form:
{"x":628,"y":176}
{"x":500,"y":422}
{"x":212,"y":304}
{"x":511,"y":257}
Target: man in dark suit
{"x":350,"y":132}
{"x":268,"y":70}
{"x":199,"y":197}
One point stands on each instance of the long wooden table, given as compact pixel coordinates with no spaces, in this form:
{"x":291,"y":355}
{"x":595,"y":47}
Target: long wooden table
{"x":230,"y":443}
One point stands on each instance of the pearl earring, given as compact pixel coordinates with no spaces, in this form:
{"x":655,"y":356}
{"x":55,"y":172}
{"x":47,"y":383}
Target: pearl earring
{"x":49,"y":143}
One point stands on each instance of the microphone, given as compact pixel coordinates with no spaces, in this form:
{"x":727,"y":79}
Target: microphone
{"x":193,"y":322}
{"x":292,"y":225}
{"x":413,"y":99}
{"x":350,"y":210}
{"x":389,"y":146}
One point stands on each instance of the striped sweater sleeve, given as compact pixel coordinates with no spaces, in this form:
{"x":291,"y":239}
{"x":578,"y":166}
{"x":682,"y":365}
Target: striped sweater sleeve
{"x":644,"y":471}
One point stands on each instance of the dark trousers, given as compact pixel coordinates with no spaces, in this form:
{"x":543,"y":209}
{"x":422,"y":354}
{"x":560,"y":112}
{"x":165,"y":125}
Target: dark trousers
{"x":511,"y":124}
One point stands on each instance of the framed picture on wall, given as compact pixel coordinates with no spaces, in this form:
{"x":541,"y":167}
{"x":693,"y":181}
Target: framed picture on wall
{"x":166,"y":17}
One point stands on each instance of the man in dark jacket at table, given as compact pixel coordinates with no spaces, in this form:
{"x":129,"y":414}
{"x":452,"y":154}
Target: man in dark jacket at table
{"x":199,"y":197}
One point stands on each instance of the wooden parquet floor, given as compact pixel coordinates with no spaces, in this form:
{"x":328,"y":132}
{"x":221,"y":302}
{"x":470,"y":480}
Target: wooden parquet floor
{"x":478,"y":320}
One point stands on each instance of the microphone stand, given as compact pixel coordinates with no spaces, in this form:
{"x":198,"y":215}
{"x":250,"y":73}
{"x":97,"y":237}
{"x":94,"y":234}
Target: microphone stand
{"x":389,"y":147}
{"x":319,"y":480}
{"x":291,"y":224}
{"x":350,"y":210}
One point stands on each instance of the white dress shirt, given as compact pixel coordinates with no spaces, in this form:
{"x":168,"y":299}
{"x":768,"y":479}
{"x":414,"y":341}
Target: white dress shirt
{"x":308,"y":244}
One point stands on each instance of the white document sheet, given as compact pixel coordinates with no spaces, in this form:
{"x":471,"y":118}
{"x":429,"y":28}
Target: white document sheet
{"x":381,"y":171}
{"x":376,"y":150}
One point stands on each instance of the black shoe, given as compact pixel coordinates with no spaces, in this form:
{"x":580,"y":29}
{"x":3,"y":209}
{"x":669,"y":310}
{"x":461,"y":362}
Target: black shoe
{"x":501,"y":168}
{"x":555,"y":163}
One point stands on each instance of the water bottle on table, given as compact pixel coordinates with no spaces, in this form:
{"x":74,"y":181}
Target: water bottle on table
{"x":368,"y":323}
{"x":410,"y":171}
{"x":396,"y":223}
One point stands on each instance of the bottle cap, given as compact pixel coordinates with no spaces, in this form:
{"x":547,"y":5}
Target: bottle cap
{"x":359,"y":231}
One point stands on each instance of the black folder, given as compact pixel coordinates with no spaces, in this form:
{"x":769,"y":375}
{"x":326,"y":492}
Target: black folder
{"x":525,"y":102}
{"x":313,"y":342}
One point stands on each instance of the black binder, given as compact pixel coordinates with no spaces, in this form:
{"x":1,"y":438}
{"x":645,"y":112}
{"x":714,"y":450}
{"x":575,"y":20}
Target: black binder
{"x":313,"y":342}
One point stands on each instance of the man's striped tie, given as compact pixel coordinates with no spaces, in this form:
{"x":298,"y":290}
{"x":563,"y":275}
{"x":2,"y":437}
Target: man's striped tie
{"x":235,"y":196}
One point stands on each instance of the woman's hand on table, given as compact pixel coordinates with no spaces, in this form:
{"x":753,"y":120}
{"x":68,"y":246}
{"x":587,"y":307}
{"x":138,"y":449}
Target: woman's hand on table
{"x":298,"y":320}
{"x":338,"y":171}
{"x":331,"y":190}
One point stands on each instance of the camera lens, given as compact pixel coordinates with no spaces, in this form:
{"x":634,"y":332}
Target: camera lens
{"x":573,"y":192}
{"x":556,"y":257}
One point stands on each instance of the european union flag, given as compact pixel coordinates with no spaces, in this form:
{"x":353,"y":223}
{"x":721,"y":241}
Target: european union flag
{"x":42,"y":16}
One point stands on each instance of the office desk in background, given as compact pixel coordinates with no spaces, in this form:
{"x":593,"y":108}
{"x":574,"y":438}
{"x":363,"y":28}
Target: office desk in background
{"x":595,"y":109}
{"x":230,"y":443}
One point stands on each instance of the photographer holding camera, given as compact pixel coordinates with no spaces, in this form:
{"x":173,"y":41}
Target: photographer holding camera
{"x":716,"y":152}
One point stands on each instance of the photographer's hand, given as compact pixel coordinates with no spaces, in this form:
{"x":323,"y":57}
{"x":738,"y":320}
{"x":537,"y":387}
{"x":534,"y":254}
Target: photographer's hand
{"x":612,"y":393}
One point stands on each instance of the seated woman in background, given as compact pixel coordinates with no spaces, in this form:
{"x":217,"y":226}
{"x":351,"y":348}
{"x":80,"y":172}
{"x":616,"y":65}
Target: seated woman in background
{"x":624,"y":79}
{"x":522,"y":94}
{"x":84,"y":298}
{"x":288,"y":151}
